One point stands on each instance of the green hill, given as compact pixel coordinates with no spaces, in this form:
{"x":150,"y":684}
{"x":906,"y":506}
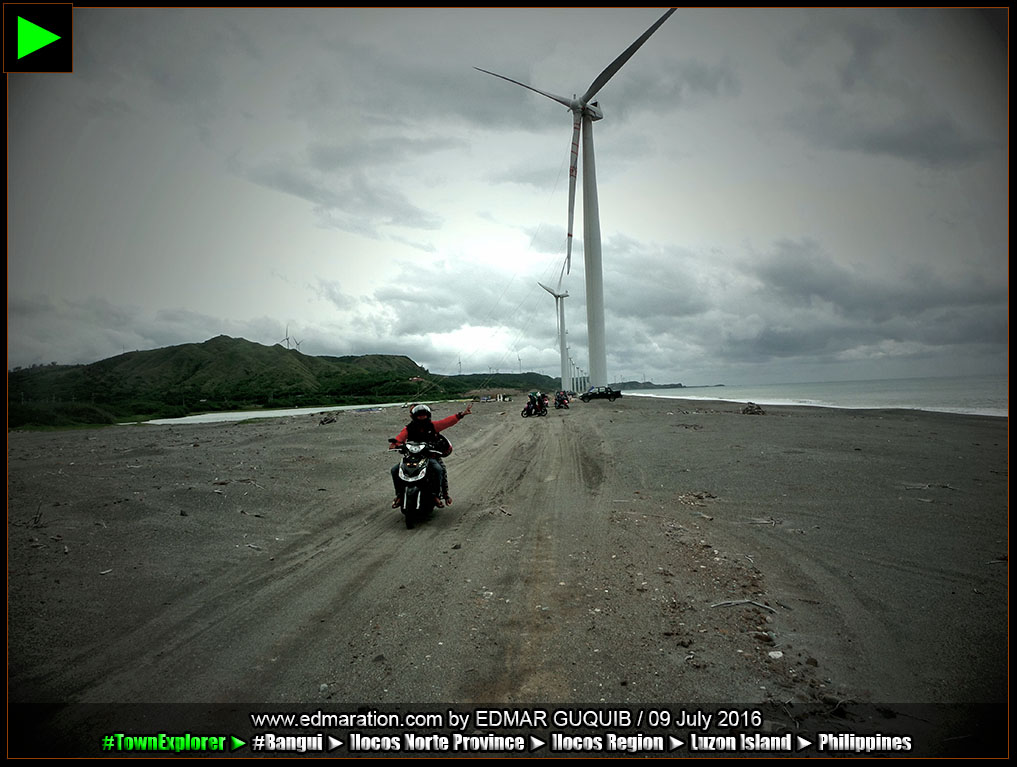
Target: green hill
{"x":226,"y":373}
{"x":220,"y":374}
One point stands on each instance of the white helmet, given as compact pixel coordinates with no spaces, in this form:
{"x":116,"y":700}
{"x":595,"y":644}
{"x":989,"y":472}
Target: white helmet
{"x":418,"y":409}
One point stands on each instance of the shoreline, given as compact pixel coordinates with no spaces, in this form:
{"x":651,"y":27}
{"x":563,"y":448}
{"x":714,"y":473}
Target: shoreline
{"x":989,"y":413}
{"x":230,"y":416}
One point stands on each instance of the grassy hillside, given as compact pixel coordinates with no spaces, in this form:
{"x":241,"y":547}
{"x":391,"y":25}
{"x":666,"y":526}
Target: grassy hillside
{"x":220,"y":374}
{"x":225,"y":374}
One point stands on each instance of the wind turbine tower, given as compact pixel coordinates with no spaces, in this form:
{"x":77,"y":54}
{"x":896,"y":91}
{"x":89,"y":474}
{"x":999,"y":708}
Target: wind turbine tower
{"x":585,"y":111}
{"x":559,"y":302}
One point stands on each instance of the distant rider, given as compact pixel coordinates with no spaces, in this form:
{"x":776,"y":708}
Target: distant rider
{"x":422,"y":429}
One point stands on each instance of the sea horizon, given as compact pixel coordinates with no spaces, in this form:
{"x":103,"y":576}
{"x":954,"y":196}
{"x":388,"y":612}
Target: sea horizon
{"x":966,"y":395}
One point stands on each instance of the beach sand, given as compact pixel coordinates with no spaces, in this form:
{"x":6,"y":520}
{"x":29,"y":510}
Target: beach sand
{"x":838,"y":571}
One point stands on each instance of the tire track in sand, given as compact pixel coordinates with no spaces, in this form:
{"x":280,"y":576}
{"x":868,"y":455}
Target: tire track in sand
{"x":553,"y":477}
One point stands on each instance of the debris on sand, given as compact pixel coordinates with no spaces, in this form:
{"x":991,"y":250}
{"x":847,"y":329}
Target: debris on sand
{"x":744,"y":602}
{"x":753,"y":409}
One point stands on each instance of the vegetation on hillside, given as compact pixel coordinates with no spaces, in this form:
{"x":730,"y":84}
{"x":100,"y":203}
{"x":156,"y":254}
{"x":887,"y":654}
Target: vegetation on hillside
{"x":226,"y":374}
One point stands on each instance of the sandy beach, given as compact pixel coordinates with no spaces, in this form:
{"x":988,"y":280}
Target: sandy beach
{"x":838,"y":571}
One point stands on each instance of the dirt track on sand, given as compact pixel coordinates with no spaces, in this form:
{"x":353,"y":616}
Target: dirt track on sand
{"x":835,"y":570}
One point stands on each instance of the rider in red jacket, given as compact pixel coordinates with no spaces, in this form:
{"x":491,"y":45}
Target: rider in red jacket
{"x":421,"y":415}
{"x":422,"y":429}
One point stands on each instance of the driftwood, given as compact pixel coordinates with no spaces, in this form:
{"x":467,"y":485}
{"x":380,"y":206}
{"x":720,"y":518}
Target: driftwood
{"x":744,"y":602}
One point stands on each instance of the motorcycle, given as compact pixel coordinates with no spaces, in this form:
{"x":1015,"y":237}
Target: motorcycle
{"x":531,"y":409}
{"x":561,"y":401}
{"x":420,"y":487}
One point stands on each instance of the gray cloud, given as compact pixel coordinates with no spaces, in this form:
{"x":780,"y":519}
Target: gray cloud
{"x":376,"y":151}
{"x":679,"y":84}
{"x":352,"y":203}
{"x":359,"y":114}
{"x":802,"y":274}
{"x":928,"y":139}
{"x":800,"y":304}
{"x":862,"y":40}
{"x":332,"y":292}
{"x":655,"y":286}
{"x":864,"y":106}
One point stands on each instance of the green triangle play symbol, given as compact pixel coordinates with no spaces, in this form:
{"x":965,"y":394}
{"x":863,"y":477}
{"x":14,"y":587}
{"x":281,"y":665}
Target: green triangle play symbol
{"x":236,"y":743}
{"x":32,"y":37}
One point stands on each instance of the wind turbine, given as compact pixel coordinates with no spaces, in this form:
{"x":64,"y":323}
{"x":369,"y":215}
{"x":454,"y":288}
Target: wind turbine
{"x":584,"y":112}
{"x":287,"y":339}
{"x":559,"y":304}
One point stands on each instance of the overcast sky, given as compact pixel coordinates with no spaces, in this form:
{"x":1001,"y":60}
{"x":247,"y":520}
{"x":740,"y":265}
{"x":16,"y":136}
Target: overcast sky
{"x":785,"y":195}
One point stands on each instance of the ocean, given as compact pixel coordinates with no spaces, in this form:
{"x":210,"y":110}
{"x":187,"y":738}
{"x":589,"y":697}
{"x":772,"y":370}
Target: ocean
{"x":976,"y":395}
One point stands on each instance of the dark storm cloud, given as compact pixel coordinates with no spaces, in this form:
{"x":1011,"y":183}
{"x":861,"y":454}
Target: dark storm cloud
{"x":801,"y":274}
{"x":798,"y":303}
{"x":76,"y":332}
{"x":792,"y":303}
{"x":865,"y":107}
{"x":813,"y":335}
{"x":807,"y":339}
{"x":72,"y":332}
{"x":951,"y":326}
{"x":862,"y":40}
{"x":933,"y":140}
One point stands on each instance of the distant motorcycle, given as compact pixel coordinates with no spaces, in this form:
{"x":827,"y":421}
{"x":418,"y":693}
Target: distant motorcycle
{"x":561,"y":401}
{"x":534,"y":409}
{"x":420,"y":486}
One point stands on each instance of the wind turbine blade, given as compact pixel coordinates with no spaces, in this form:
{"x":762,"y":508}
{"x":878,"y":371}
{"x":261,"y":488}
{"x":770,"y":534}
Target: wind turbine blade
{"x":619,"y":62}
{"x":577,"y":123}
{"x":547,"y":289}
{"x":559,"y":99}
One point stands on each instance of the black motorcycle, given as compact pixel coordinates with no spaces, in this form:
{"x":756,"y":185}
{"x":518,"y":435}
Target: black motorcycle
{"x":420,"y":486}
{"x":531,"y":409}
{"x":561,"y":401}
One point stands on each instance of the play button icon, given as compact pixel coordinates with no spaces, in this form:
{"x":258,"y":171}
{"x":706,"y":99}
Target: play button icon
{"x":37,"y":38}
{"x":32,"y":37}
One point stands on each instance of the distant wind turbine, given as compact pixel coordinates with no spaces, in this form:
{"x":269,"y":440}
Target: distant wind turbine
{"x":559,"y":304}
{"x":585,"y":111}
{"x":287,"y":339}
